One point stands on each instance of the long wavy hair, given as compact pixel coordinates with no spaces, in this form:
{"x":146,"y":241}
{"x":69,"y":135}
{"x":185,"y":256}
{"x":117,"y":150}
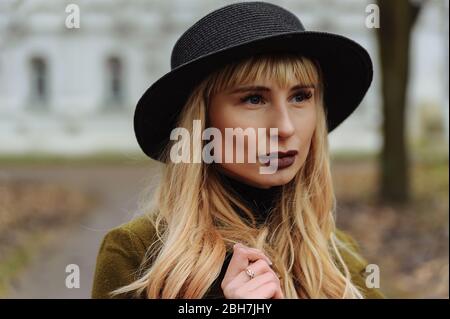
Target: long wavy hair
{"x":196,"y":223}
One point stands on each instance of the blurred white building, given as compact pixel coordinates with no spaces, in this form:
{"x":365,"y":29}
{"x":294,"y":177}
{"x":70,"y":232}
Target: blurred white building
{"x":70,"y":91}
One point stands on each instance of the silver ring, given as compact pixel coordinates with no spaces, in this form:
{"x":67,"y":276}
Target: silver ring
{"x":250,"y":273}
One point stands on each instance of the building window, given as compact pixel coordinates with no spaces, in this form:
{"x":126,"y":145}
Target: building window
{"x":114,"y":83}
{"x":39,"y":82}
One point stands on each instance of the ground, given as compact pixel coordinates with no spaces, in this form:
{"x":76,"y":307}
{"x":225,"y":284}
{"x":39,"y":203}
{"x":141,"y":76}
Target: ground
{"x":409,"y":243}
{"x":117,"y":189}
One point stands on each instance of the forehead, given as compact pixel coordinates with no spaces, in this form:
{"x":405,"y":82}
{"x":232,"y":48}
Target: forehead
{"x":282,"y":73}
{"x":266,"y":87}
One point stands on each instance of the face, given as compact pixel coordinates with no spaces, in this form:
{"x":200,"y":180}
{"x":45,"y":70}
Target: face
{"x":292,"y":110}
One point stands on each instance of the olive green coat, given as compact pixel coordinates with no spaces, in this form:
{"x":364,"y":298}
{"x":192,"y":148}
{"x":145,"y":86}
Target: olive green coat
{"x":123,"y":248}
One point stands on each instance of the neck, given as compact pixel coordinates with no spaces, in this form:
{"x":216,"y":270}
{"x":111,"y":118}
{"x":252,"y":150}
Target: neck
{"x":259,"y":200}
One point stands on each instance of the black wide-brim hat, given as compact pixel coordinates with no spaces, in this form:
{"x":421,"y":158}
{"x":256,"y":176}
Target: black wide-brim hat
{"x":243,"y":30}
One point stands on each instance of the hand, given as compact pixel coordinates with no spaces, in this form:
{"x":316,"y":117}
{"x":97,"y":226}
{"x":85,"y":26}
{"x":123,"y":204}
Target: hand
{"x":237,"y":284}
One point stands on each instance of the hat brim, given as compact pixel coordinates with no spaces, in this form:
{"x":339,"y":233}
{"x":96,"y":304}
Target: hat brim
{"x":346,"y":66}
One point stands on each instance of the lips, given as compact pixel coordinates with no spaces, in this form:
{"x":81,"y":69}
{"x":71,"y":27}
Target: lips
{"x":282,"y":159}
{"x":279,"y":154}
{"x":283,"y":154}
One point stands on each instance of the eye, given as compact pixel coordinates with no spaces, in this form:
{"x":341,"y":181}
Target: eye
{"x":302,"y":96}
{"x":252,"y":99}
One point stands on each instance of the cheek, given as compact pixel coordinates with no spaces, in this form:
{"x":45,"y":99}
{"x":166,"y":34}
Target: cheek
{"x":311,"y":126}
{"x":306,"y":124}
{"x":226,"y":115}
{"x":220,"y":115}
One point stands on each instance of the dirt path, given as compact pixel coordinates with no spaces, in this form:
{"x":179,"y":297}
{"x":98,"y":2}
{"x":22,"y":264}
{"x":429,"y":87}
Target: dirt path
{"x":118,"y":188}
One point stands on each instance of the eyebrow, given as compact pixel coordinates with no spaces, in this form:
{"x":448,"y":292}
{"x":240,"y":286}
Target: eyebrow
{"x":266,"y":89}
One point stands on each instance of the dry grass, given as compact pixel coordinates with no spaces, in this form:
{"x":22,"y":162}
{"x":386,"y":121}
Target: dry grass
{"x":29,"y":211}
{"x":409,"y":242}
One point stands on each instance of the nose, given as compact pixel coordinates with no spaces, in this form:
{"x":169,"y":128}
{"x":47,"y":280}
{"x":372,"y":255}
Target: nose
{"x":281,"y":119}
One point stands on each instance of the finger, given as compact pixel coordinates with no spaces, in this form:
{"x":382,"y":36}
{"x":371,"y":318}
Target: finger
{"x":260,"y":280}
{"x":279,"y":294}
{"x":259,"y":251}
{"x":259,"y":267}
{"x":240,"y":260}
{"x":266,"y":291}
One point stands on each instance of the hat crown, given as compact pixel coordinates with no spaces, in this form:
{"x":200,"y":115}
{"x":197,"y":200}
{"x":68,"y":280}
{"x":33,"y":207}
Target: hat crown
{"x":233,"y":25}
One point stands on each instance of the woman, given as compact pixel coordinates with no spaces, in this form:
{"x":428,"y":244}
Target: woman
{"x":224,"y":229}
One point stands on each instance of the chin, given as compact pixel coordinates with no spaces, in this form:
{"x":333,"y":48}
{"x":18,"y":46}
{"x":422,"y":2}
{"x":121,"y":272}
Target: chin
{"x":281,"y":177}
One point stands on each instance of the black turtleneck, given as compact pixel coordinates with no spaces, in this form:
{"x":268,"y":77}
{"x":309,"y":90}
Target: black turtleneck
{"x":259,"y":200}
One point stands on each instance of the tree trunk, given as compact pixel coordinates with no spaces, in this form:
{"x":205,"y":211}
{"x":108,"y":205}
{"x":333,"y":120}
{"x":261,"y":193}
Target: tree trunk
{"x":396,"y":21}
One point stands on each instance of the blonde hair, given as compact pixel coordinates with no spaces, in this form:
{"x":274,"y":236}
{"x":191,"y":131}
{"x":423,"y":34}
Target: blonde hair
{"x":196,"y":223}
